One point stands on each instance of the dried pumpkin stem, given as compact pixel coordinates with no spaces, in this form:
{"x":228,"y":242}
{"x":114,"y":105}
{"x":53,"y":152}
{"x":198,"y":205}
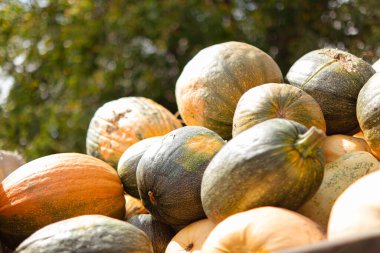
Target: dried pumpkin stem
{"x":309,"y":141}
{"x":152,"y":198}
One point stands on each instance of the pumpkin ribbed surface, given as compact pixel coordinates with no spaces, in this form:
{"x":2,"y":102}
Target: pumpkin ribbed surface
{"x":277,"y":162}
{"x":170,"y":172}
{"x":54,"y":188}
{"x":276,"y":100}
{"x":191,"y":238}
{"x":333,"y":78}
{"x":262,"y":230}
{"x":87,"y":234}
{"x":368,"y":113}
{"x":212,"y":83}
{"x":120,"y":123}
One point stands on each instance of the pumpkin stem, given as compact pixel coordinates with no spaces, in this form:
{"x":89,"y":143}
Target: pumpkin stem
{"x":152,"y":198}
{"x":309,"y":141}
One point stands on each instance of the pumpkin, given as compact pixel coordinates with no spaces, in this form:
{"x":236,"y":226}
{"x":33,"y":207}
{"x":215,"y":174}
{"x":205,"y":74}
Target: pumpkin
{"x":277,"y":162}
{"x":120,"y":123}
{"x":169,"y":174}
{"x":158,"y":233}
{"x":212,"y":83}
{"x":9,"y":161}
{"x":368,"y":112}
{"x":57,"y":187}
{"x":360,"y":205}
{"x":333,"y":78}
{"x":275,"y":100}
{"x":339,"y":175}
{"x":133,"y":206}
{"x":264,"y":229}
{"x":127,"y":165}
{"x":359,"y":134}
{"x":191,"y":237}
{"x":87,"y":234}
{"x":337,"y":145}
{"x":376,"y":66}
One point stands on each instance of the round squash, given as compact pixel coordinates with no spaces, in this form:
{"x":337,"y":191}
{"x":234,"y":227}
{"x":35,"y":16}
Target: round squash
{"x":169,"y":174}
{"x":357,"y":208}
{"x":333,"y":78}
{"x":339,"y":175}
{"x":277,"y":162}
{"x":334,"y":146}
{"x":57,"y":187}
{"x":133,"y":206}
{"x":376,"y":66}
{"x":191,"y":237}
{"x":368,"y":112}
{"x":120,"y":123}
{"x":87,"y":234}
{"x":276,"y":100}
{"x":127,"y":165}
{"x":159,"y":233}
{"x":212,"y":83}
{"x":265,"y":229}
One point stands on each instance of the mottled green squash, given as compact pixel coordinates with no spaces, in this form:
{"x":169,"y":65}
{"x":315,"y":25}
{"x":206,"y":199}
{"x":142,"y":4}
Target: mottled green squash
{"x":87,"y":234}
{"x":277,"y":162}
{"x":338,"y":176}
{"x":158,"y":232}
{"x":127,"y":165}
{"x":333,"y":78}
{"x":357,"y":209}
{"x":212,"y":83}
{"x":276,"y":100}
{"x":170,"y":172}
{"x":368,"y":113}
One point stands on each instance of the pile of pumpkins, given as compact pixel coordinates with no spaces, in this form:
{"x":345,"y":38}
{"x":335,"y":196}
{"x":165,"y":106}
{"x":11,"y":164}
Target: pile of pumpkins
{"x":254,"y":164}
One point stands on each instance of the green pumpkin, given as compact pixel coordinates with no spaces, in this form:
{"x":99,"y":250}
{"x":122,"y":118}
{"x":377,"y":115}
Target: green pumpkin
{"x":333,"y":78}
{"x":160,"y":234}
{"x":276,"y":100}
{"x":368,"y":113}
{"x":87,"y":234}
{"x":170,"y":172}
{"x":277,"y":162}
{"x":127,"y":165}
{"x":212,"y":83}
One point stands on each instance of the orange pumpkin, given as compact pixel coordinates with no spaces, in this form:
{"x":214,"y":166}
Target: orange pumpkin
{"x":334,"y":146}
{"x":54,"y":188}
{"x":264,"y":229}
{"x":120,"y":123}
{"x":133,"y":206}
{"x":191,"y":237}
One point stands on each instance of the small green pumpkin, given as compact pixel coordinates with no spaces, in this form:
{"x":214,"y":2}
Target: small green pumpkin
{"x":127,"y":165}
{"x":333,"y":78}
{"x":170,"y":172}
{"x":276,"y":100}
{"x":160,"y":234}
{"x":368,"y":113}
{"x":277,"y":162}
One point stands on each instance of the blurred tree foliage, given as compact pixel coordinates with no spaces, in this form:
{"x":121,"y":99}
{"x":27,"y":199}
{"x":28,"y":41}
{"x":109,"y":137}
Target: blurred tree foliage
{"x":69,"y":57}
